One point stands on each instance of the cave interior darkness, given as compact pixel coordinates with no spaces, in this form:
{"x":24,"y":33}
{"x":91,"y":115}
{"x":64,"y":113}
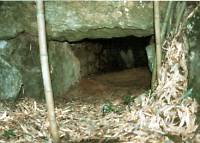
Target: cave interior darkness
{"x":116,"y":48}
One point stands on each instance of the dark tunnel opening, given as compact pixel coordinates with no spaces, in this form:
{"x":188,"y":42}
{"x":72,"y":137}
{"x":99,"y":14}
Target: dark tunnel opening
{"x":123,"y":53}
{"x":116,"y":54}
{"x":112,"y":68}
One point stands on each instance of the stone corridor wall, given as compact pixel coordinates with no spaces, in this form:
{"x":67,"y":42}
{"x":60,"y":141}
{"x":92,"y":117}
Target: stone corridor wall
{"x":22,"y":54}
{"x":88,"y":55}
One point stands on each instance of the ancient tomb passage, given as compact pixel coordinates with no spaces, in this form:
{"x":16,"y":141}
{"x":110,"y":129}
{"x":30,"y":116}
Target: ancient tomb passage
{"x":112,"y":67}
{"x":111,"y":55}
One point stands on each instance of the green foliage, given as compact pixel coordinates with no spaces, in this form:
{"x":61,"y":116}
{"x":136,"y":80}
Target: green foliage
{"x":9,"y":133}
{"x":174,"y":138}
{"x":128,"y":99}
{"x":107,"y":108}
{"x":187,"y":93}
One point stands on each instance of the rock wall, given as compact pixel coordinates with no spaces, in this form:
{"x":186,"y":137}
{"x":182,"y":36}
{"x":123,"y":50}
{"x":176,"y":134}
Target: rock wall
{"x":88,"y":54}
{"x":65,"y":21}
{"x":193,"y":33}
{"x":76,"y":20}
{"x":22,"y":53}
{"x":68,"y":61}
{"x":10,"y":80}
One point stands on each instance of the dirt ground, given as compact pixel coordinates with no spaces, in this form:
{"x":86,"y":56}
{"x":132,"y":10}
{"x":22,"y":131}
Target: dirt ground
{"x":110,"y":86}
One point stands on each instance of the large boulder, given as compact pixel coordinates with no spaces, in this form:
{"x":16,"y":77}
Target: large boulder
{"x":76,"y":20}
{"x":193,"y":33}
{"x":10,"y":81}
{"x":11,"y":17}
{"x":23,"y":52}
{"x":64,"y":66}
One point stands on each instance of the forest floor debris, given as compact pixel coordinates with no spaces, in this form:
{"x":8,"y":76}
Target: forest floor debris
{"x":26,"y":122}
{"x":81,"y":113}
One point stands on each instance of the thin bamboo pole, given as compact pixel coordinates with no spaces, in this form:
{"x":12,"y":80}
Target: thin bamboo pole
{"x":153,"y":78}
{"x":180,"y":14}
{"x":158,"y":38}
{"x":167,"y":17}
{"x":171,"y":18}
{"x":45,"y":71}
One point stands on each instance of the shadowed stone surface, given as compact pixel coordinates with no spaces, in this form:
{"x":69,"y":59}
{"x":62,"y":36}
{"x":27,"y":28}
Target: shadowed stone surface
{"x":10,"y":81}
{"x":23,"y":52}
{"x":76,"y":20}
{"x":193,"y":28}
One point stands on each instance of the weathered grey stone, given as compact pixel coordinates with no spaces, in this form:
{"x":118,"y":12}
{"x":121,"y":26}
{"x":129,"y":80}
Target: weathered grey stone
{"x":88,"y":55}
{"x":16,"y":18}
{"x":76,"y":20}
{"x":23,"y":52}
{"x":193,"y":33}
{"x":64,"y":66}
{"x":151,"y":54}
{"x":10,"y":81}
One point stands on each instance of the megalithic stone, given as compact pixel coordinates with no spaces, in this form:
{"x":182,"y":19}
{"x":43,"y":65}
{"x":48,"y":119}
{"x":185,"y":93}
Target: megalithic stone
{"x":10,"y":81}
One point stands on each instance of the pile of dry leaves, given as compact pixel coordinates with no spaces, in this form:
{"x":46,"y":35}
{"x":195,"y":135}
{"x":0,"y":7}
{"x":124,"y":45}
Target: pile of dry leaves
{"x":169,"y":111}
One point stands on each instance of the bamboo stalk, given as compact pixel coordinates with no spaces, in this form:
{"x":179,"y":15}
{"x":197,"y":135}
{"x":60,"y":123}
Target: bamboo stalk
{"x":171,"y":17}
{"x":158,"y":38}
{"x":45,"y":71}
{"x":180,"y":14}
{"x":153,"y":78}
{"x":167,"y":17}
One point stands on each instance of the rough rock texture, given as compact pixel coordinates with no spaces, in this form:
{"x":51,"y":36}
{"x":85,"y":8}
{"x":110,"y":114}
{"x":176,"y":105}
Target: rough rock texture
{"x":64,"y":66}
{"x":10,"y":81}
{"x":193,"y":28}
{"x":17,"y":17}
{"x":65,"y":21}
{"x":88,"y":54}
{"x":150,"y":50}
{"x":75,"y":20}
{"x":23,"y":52}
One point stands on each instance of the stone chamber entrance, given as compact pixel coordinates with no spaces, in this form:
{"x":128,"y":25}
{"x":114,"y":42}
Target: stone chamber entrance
{"x":100,"y":74}
{"x":96,"y":109}
{"x":113,"y":72}
{"x":111,"y":69}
